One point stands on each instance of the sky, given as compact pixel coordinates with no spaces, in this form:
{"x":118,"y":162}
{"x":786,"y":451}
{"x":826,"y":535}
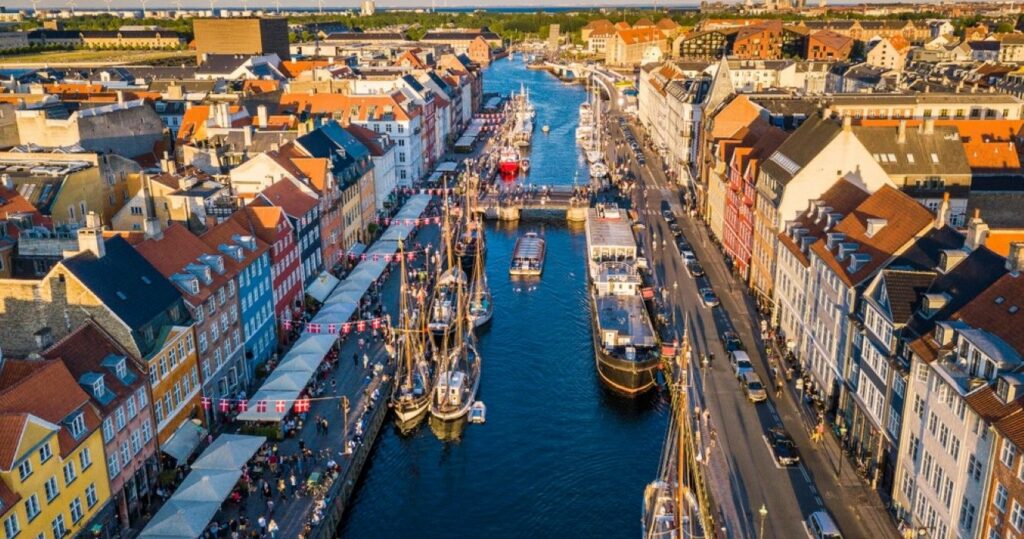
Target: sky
{"x":348,"y":4}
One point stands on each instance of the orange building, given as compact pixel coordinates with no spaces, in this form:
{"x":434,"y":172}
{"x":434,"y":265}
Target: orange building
{"x":829,"y":46}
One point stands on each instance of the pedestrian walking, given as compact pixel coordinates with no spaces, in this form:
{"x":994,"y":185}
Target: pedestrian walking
{"x":778,"y":388}
{"x":270,"y":507}
{"x":262,"y":523}
{"x":282,"y":490}
{"x":272,"y":529}
{"x":366,"y":361}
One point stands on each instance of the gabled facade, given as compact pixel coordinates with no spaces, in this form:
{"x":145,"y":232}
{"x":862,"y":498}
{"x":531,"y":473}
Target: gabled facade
{"x":271,"y":225}
{"x":301,"y":205}
{"x":51,"y":463}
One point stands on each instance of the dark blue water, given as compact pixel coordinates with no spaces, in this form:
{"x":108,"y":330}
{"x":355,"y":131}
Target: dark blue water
{"x":559,"y":455}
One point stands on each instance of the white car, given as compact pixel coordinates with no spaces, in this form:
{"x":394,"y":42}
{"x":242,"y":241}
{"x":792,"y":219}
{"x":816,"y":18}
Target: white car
{"x":688,"y":256}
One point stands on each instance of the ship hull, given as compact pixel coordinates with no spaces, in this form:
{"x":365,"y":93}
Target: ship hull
{"x":508,"y":168}
{"x":630,"y":378}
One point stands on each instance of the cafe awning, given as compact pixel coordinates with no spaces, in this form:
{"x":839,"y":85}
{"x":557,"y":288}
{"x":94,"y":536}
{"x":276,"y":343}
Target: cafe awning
{"x":322,"y":286}
{"x":184,"y":441}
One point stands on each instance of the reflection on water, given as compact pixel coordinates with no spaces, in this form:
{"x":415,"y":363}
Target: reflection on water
{"x":559,"y":456}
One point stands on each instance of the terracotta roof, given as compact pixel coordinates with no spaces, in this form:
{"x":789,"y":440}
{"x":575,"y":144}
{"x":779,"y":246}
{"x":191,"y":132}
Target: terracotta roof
{"x":370,"y":138}
{"x":278,"y":122}
{"x":225,"y":233}
{"x":643,"y":22}
{"x":667,"y":24}
{"x":411,"y":59}
{"x":904,"y":219}
{"x":622,"y":25}
{"x":366,"y":107}
{"x":23,"y":381}
{"x":997,"y":310}
{"x":833,"y":40}
{"x":999,"y":240}
{"x":178,"y":248}
{"x":598,"y":24}
{"x":289,"y":197}
{"x":988,"y":144}
{"x":736,"y":115}
{"x":8,"y":498}
{"x":293,"y":68}
{"x":11,"y":427}
{"x":842,"y":197}
{"x":83,"y":352}
{"x":260,"y":86}
{"x":635,"y":36}
{"x":988,"y":405}
{"x":315,"y":168}
{"x":899,"y":42}
{"x":261,"y":220}
{"x":1012,"y":425}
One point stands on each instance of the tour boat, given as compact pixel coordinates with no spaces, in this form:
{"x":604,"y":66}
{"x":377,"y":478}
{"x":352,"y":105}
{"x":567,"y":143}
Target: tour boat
{"x":626,"y":347}
{"x":528,"y":256}
{"x":410,"y":397}
{"x":508,"y":162}
{"x":481,"y":306}
{"x":598,"y":170}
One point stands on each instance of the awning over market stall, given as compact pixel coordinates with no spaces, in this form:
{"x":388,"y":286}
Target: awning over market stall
{"x":184,"y":441}
{"x":275,"y":397}
{"x":196,"y":501}
{"x":322,"y":286}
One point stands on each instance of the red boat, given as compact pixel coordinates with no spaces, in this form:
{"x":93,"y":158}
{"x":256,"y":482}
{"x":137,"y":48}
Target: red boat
{"x":508,"y":163}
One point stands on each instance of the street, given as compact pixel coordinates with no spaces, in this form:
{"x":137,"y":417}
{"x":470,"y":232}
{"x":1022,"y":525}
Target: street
{"x":788,"y":494}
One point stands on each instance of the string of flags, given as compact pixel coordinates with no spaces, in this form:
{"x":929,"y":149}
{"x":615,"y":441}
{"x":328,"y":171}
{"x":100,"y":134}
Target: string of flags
{"x":344,"y":328}
{"x":299,"y":406}
{"x":409,"y":222}
{"x":376,"y":257}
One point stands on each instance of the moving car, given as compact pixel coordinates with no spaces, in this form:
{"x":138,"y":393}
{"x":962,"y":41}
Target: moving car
{"x":731,"y":342}
{"x":740,"y":363}
{"x":708,"y":298}
{"x":753,"y":388}
{"x":821,"y":526}
{"x":694,"y":269}
{"x":687,"y":256}
{"x":677,"y":230}
{"x":783,"y":447}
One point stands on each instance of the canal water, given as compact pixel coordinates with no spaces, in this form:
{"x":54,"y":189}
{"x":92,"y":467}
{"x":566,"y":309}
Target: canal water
{"x":559,"y":455}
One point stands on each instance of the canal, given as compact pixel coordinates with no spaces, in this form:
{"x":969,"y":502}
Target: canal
{"x":559,"y":455}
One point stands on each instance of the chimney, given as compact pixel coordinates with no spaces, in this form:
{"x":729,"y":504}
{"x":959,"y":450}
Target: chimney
{"x":120,"y":97}
{"x":90,"y":236}
{"x":847,"y":122}
{"x":1015,"y":259}
{"x":225,"y":115}
{"x":151,"y":225}
{"x":928,"y":127}
{"x":261,"y":114}
{"x":44,"y":338}
{"x":167,"y":165}
{"x":7,"y":181}
{"x":247,"y":135}
{"x":977,"y":232}
{"x":901,"y":132}
{"x":942,"y":215}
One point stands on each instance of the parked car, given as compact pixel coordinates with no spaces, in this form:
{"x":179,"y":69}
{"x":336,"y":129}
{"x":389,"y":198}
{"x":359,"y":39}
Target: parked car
{"x":821,"y":526}
{"x":688,"y":256}
{"x":753,"y":388}
{"x":730,"y":341}
{"x":694,"y":269}
{"x":740,"y":363}
{"x":783,"y":447}
{"x":708,"y":298}
{"x":677,"y":230}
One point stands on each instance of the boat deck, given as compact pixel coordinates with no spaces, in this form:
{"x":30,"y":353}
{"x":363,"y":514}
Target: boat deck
{"x":627,"y":317}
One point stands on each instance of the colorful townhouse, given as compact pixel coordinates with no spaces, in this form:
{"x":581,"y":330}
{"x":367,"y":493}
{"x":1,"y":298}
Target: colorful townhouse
{"x":53,"y":478}
{"x":118,"y":391}
{"x":243,"y":248}
{"x":272,"y":226}
{"x":302,"y":207}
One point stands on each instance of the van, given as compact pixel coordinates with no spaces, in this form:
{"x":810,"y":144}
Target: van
{"x":740,"y":363}
{"x":821,"y":526}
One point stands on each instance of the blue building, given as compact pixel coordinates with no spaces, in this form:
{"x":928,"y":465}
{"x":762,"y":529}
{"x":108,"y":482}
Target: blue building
{"x":255,"y":296}
{"x":302,"y":206}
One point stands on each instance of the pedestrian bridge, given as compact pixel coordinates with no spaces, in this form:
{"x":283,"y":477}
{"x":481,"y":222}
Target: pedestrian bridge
{"x":511,"y":204}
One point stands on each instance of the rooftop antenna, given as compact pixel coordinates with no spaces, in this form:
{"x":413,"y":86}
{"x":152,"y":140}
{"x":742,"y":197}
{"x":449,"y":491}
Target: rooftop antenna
{"x":144,"y":2}
{"x":212,"y":4}
{"x":177,"y":6}
{"x":108,"y":2}
{"x":277,"y":6}
{"x":71,"y":4}
{"x":320,"y":6}
{"x":35,"y":8}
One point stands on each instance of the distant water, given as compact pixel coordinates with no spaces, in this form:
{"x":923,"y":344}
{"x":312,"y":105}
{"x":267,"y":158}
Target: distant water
{"x":559,"y":455}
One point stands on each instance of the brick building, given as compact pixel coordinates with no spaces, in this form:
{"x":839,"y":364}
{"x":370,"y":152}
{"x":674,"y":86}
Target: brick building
{"x":241,"y":35}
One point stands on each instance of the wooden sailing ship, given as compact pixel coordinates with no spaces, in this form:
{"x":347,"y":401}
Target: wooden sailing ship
{"x":410,"y":398}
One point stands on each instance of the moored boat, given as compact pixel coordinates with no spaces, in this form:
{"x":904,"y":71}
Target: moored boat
{"x":410,"y":397}
{"x":528,"y":256}
{"x":481,"y":306}
{"x":598,"y":170}
{"x":508,"y":162}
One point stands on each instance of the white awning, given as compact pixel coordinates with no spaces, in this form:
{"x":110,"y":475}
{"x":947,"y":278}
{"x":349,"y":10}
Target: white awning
{"x":214,"y":475}
{"x":320,"y":288}
{"x":184,"y":441}
{"x":289,"y":378}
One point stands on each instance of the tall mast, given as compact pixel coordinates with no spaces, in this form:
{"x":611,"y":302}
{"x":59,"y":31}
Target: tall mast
{"x":404,"y":313}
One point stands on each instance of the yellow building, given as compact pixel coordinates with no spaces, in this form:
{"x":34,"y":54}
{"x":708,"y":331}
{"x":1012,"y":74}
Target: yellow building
{"x":53,"y":473}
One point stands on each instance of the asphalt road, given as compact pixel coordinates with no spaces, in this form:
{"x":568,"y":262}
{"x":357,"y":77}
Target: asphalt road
{"x":790,"y":494}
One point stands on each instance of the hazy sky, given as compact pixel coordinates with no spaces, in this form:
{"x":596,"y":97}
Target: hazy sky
{"x":328,"y":4}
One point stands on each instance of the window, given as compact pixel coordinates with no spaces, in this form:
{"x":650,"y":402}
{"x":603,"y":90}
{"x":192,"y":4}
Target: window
{"x":1000,"y":499}
{"x":108,"y":430}
{"x":32,"y":507}
{"x":113,"y":465}
{"x":132,"y":410}
{"x":85,"y":458}
{"x":147,"y":430}
{"x":1007,"y":453}
{"x":58,"y":526}
{"x":11,"y":526}
{"x":974,"y":468}
{"x":126,"y":455}
{"x":25,"y":469}
{"x":69,"y":473}
{"x":119,"y":416}
{"x":143,"y":398}
{"x":136,"y":442}
{"x":44,"y":452}
{"x":76,"y":510}
{"x":90,"y":495}
{"x":1017,"y":516}
{"x":51,"y":488}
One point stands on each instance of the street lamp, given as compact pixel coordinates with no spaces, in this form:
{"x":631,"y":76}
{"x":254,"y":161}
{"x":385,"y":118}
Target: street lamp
{"x":763,"y":511}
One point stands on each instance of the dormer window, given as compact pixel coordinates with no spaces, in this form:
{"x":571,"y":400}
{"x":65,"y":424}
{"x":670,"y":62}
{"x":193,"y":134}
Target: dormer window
{"x":215,"y":262}
{"x":77,"y":425}
{"x":121,"y":369}
{"x":99,"y":389}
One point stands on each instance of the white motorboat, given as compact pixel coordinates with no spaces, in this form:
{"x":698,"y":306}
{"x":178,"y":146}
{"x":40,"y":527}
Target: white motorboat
{"x":478,"y":413}
{"x":598,"y":170}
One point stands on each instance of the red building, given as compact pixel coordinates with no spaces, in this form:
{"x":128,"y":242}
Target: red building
{"x":738,"y":237}
{"x":270,"y":224}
